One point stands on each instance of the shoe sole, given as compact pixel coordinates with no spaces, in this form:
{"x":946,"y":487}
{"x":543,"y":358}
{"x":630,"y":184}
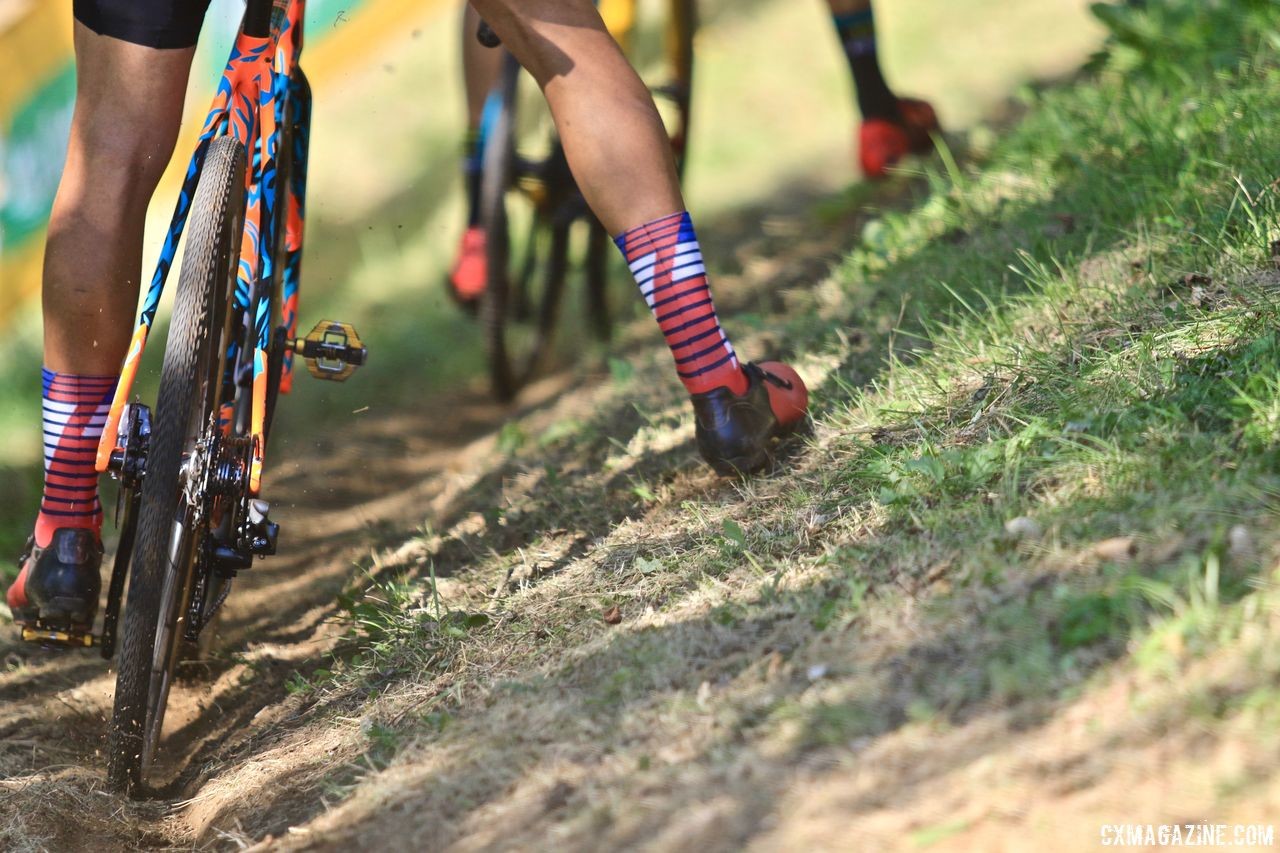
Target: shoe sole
{"x":469,"y":305}
{"x":67,"y":611}
{"x":743,"y":466}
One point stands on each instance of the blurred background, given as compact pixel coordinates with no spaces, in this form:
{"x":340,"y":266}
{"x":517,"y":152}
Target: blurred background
{"x":773,"y":114}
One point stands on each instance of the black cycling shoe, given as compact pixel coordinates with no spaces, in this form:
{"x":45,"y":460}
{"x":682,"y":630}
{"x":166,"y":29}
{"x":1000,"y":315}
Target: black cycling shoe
{"x":58,"y":586}
{"x":737,"y":434}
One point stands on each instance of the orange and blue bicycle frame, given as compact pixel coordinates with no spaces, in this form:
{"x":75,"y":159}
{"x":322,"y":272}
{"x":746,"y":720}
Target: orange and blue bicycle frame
{"x":260,"y":88}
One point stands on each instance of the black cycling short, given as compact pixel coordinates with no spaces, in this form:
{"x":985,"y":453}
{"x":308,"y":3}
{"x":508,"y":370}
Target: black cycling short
{"x":150,"y":23}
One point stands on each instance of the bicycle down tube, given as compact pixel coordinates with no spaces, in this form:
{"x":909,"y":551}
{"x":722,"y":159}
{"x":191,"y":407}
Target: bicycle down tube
{"x":250,"y":95}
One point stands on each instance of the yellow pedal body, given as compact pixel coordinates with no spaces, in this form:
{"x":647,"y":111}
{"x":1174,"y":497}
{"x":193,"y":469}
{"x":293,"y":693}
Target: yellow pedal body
{"x":332,"y":350}
{"x":56,"y":637}
{"x":534,"y":188}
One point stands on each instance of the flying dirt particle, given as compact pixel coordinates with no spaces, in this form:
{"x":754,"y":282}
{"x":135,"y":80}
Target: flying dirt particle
{"x":360,"y":411}
{"x":612,"y":616}
{"x":1023,"y":527}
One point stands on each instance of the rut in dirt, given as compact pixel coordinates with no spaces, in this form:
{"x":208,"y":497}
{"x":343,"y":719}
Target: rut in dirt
{"x":342,"y":489}
{"x":339,"y":495}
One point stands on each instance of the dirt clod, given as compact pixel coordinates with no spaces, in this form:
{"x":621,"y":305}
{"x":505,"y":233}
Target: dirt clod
{"x":558,"y":797}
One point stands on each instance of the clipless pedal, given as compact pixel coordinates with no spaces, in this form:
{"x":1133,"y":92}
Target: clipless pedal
{"x":332,"y":351}
{"x":57,"y":636}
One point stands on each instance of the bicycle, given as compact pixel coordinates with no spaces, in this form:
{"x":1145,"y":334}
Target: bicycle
{"x":190,"y":510}
{"x":526,"y":186}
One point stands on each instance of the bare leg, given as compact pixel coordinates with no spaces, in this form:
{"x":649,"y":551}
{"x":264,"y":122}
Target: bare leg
{"x":613,"y":136}
{"x":480,"y":68}
{"x":128,"y":108}
{"x":621,"y":159}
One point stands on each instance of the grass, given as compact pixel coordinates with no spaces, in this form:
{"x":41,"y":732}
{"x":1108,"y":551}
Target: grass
{"x":385,"y":209}
{"x":1044,"y":470}
{"x":1021,"y":582}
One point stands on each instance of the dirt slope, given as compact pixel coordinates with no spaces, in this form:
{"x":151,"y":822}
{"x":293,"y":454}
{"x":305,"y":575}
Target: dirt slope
{"x":382,"y":472}
{"x":554,"y":629}
{"x":242,"y":760}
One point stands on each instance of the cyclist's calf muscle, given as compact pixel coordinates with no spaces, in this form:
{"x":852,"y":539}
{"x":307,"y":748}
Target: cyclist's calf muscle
{"x":613,"y":136}
{"x":128,"y":109}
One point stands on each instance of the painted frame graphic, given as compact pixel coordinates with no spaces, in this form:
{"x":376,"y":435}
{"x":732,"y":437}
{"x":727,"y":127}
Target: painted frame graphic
{"x":261,"y":87}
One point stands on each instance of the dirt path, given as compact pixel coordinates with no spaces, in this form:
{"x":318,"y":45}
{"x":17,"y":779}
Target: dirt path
{"x":695,"y":723}
{"x":246,"y":762}
{"x":348,"y":489}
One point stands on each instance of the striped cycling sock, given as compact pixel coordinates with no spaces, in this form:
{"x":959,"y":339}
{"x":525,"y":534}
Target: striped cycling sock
{"x":666,"y":261}
{"x":857,"y":30}
{"x":75,"y":410}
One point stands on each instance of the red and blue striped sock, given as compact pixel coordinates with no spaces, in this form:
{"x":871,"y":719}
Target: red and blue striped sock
{"x":75,"y":410}
{"x":666,"y":261}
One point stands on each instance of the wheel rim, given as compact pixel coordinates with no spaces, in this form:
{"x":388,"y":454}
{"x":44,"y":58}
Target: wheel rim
{"x":528,"y":195}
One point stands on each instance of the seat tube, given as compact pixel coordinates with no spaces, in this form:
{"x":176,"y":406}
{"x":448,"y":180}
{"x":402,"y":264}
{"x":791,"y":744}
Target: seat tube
{"x":257,"y":18}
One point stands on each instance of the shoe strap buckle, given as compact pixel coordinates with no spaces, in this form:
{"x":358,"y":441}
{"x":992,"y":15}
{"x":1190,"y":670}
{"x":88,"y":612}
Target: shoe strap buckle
{"x":27,"y":550}
{"x":776,"y":380}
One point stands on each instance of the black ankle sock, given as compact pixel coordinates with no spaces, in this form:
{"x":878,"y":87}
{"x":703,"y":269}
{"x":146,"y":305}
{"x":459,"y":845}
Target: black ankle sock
{"x":875,"y":98}
{"x":472,"y":172}
{"x":857,"y":32}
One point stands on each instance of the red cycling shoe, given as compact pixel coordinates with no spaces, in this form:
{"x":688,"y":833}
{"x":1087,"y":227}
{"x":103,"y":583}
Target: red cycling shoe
{"x":883,"y":143}
{"x":470,"y":271}
{"x":737,"y":434}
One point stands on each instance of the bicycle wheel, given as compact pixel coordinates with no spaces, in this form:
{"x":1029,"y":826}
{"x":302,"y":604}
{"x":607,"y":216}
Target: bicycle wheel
{"x":526,"y":208}
{"x":169,"y":525}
